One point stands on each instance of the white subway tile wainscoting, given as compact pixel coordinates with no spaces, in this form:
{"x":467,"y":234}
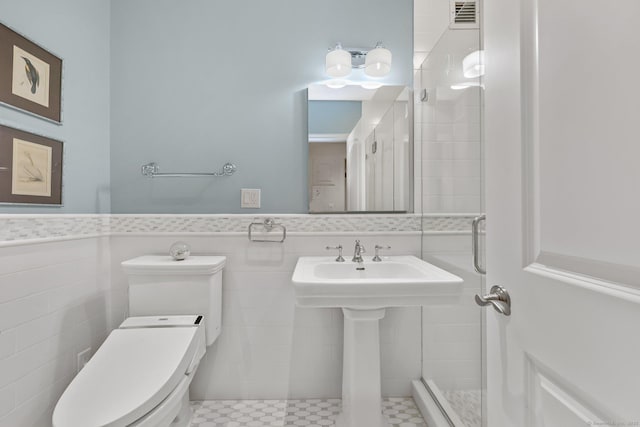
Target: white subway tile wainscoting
{"x":62,"y":290}
{"x":55,"y":301}
{"x":269,"y":348}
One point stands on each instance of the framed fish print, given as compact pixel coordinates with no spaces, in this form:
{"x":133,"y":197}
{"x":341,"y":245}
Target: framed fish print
{"x":30,"y":76}
{"x":30,"y":168}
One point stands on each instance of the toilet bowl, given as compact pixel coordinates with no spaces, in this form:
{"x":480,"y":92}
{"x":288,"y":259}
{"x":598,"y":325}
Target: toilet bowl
{"x":140,"y":376}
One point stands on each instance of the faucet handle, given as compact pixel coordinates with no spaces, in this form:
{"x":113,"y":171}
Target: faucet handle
{"x":377,"y":258}
{"x":339,"y":248}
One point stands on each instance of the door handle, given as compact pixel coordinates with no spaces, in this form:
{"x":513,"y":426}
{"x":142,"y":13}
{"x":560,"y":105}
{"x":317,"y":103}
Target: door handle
{"x":475,"y":231}
{"x":499,"y":298}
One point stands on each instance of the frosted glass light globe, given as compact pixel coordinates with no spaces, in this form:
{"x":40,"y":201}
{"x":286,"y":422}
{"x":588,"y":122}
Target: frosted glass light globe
{"x":378,"y":62}
{"x":338,"y":63}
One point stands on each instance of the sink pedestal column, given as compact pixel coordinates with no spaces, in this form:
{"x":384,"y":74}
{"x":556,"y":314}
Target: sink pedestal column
{"x":361,"y":390}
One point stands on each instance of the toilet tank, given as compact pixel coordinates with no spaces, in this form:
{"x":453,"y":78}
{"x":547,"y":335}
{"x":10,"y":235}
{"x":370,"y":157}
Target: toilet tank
{"x":159,"y":285}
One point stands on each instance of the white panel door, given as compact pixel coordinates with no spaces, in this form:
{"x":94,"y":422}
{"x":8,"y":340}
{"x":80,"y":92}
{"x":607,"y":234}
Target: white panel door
{"x":563,"y":211}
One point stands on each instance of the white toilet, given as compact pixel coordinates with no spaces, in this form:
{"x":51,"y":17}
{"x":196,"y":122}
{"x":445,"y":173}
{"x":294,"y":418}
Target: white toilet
{"x":140,"y":375}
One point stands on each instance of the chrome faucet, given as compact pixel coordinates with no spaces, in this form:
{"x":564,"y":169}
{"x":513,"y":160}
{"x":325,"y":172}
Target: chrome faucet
{"x":357,"y":252}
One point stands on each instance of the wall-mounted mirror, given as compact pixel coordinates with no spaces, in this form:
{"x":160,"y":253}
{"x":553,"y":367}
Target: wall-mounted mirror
{"x":244,"y":105}
{"x":360,"y":149}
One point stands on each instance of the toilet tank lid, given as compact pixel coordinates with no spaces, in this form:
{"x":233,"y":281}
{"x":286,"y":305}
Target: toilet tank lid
{"x":165,"y":265}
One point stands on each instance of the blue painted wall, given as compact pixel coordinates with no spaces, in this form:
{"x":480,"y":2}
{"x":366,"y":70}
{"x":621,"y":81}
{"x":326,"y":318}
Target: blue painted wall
{"x":78,"y":31}
{"x":196,"y":83}
{"x":333,"y":116}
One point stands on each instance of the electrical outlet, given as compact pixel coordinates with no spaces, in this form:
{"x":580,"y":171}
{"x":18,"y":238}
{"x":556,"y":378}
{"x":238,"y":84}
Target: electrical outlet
{"x":83,"y":359}
{"x":250,"y":198}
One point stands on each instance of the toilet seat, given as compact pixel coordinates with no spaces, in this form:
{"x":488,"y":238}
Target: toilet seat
{"x":137,"y":367}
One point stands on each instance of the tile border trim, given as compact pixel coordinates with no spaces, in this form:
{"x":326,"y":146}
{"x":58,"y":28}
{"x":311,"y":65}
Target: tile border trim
{"x":25,"y":227}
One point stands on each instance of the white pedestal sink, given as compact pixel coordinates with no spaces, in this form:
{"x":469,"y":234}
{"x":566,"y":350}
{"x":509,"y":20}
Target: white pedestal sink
{"x":363,"y":295}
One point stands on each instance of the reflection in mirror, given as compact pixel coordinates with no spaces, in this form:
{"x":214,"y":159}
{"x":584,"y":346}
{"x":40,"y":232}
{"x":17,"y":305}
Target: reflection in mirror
{"x":360,"y":149}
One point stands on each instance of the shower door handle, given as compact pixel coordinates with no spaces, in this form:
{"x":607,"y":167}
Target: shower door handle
{"x":499,"y":298}
{"x":475,"y":236}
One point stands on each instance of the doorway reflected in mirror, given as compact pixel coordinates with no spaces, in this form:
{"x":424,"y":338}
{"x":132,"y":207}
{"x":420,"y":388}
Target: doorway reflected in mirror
{"x":360,"y":149}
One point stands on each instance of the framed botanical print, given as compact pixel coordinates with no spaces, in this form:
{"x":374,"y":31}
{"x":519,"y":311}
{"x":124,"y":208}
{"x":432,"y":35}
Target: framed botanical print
{"x":30,"y":76}
{"x":30,"y":168}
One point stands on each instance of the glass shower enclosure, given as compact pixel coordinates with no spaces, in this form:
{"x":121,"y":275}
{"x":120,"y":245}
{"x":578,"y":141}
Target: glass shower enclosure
{"x":449,"y":134}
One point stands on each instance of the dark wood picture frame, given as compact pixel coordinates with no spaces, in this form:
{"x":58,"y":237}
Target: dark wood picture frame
{"x":30,"y":168}
{"x":33,"y":84}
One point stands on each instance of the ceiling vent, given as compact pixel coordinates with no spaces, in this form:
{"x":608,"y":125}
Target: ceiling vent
{"x":464,"y":14}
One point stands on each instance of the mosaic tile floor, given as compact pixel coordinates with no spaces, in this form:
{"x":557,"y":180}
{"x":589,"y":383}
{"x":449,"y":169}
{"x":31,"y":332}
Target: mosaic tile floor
{"x":401,"y":412}
{"x":467,"y":404}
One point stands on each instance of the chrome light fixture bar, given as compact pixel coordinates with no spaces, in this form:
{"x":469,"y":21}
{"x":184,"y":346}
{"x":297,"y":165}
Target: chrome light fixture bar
{"x":340,"y":61}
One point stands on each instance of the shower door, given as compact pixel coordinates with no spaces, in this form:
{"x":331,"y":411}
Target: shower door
{"x":448,"y":128}
{"x":562,"y":212}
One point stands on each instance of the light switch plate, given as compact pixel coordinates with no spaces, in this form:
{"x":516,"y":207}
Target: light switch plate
{"x":250,"y":198}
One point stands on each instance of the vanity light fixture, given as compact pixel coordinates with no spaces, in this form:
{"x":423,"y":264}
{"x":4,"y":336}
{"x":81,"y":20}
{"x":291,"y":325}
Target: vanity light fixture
{"x":340,"y":61}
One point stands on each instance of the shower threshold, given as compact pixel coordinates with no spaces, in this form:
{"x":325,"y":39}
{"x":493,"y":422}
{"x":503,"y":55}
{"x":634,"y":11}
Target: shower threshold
{"x":448,"y":408}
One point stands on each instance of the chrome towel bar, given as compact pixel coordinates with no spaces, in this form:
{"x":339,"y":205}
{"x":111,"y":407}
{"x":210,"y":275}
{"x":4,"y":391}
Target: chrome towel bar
{"x":152,"y":170}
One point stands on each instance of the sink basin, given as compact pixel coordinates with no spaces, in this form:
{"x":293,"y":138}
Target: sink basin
{"x":396,"y":281}
{"x":364,"y":295}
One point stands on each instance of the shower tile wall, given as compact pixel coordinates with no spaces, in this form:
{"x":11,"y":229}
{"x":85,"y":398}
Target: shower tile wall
{"x":447,"y":125}
{"x":451,"y":334}
{"x":54,"y":303}
{"x":430,"y":19}
{"x":450,"y":151}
